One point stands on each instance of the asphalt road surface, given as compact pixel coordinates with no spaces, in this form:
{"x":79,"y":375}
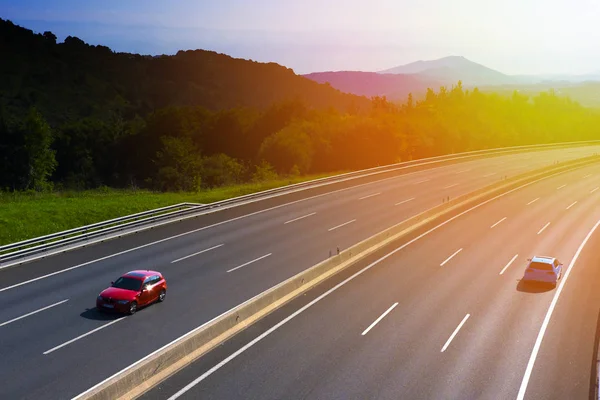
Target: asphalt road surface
{"x":54,"y":344}
{"x":442,"y":317}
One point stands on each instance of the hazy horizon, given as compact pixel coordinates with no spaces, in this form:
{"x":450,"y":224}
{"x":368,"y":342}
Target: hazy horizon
{"x":551,"y":37}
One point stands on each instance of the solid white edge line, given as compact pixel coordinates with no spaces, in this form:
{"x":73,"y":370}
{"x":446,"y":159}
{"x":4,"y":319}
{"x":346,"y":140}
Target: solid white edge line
{"x":540,"y":337}
{"x":382,"y":316}
{"x":339,"y":226}
{"x":60,"y":346}
{"x":509,"y":264}
{"x":195,"y":254}
{"x":32,"y":313}
{"x":455,"y":332}
{"x":498,"y":223}
{"x":544,"y":228}
{"x":594,"y":190}
{"x":299,"y":218}
{"x":404,"y":201}
{"x":250,"y":262}
{"x":571,"y":205}
{"x":533,"y":201}
{"x":370,"y":195}
{"x":451,"y":257}
{"x":275,"y":327}
{"x":560,"y":187}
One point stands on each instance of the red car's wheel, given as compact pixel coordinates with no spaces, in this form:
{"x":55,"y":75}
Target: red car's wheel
{"x":162,"y":295}
{"x":132,"y":307}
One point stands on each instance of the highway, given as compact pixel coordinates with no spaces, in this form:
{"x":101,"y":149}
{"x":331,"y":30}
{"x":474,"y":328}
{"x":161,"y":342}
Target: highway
{"x":54,"y":344}
{"x":441,"y":315}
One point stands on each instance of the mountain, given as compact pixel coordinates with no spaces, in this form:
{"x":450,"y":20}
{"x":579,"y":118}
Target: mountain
{"x":452,"y":69}
{"x":72,"y":80}
{"x":393,"y":86}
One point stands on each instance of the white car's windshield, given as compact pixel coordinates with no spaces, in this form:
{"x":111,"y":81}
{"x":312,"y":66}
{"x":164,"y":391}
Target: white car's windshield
{"x":541,"y":266}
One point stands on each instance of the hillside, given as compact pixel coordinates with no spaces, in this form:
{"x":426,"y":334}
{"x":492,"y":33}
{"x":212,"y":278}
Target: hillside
{"x":452,"y":69}
{"x":73,"y":79}
{"x":74,"y":116}
{"x":393,"y":86}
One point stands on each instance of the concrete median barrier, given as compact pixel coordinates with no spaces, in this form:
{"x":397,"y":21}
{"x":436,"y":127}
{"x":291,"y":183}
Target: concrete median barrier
{"x":148,"y":372}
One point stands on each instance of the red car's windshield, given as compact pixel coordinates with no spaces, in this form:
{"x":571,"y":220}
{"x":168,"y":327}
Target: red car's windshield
{"x":128,"y":284}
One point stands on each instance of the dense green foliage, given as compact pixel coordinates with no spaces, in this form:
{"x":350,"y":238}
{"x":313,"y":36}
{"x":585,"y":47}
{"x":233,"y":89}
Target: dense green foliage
{"x":200,"y":120}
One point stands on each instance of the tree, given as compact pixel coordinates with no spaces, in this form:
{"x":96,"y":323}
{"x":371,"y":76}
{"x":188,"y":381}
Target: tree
{"x":49,"y":36}
{"x":179,"y":165}
{"x":41,"y":158}
{"x":291,"y":146}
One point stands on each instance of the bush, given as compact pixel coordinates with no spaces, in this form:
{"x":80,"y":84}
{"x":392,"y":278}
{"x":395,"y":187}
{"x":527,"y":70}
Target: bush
{"x":264,"y":172}
{"x":221,"y":170}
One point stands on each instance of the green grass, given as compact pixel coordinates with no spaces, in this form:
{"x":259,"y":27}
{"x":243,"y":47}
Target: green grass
{"x":28,"y":215}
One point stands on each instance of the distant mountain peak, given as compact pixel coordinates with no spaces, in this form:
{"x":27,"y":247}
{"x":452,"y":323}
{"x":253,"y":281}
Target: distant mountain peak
{"x":452,"y":69}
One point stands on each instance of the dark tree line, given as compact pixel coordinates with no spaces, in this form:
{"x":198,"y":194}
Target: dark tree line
{"x":79,"y":116}
{"x":73,"y":80}
{"x":190,"y":148}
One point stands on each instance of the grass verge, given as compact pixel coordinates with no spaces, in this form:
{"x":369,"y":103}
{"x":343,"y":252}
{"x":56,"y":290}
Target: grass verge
{"x":28,"y":215}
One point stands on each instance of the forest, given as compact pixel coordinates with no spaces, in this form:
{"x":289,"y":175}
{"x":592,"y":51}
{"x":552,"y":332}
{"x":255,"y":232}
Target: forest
{"x":78,"y":116}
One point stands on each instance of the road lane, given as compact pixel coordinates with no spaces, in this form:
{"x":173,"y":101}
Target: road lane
{"x":200,"y":287}
{"x":401,"y":357}
{"x":565,"y":367}
{"x":515,"y":165}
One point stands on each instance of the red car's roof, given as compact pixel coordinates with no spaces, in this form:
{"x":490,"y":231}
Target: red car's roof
{"x":142,"y":274}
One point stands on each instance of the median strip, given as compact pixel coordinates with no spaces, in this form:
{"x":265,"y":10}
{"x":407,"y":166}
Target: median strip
{"x":158,"y":366}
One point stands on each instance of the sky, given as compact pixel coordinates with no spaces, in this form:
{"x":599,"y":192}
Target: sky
{"x":512,"y":36}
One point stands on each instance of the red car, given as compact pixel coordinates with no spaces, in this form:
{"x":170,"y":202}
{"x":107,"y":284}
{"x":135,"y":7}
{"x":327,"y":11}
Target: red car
{"x":133,"y":290}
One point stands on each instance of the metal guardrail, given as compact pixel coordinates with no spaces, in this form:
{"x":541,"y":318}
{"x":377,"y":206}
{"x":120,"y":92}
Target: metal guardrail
{"x":71,"y":236}
{"x":42,"y":239}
